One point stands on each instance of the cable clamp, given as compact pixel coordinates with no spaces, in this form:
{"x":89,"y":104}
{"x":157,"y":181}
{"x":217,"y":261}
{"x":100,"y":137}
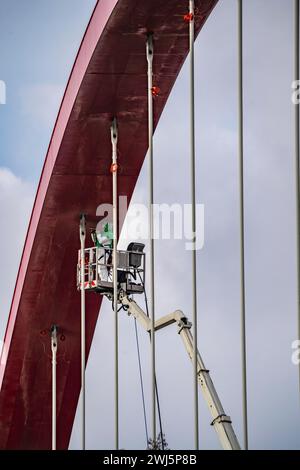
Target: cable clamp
{"x":188,"y":17}
{"x":155,"y":90}
{"x":114,"y":168}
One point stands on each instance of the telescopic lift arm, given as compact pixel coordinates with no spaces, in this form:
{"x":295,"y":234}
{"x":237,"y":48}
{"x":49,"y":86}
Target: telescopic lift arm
{"x":221,"y":422}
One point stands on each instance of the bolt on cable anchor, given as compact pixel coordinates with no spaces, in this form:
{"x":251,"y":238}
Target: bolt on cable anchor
{"x":46,"y":332}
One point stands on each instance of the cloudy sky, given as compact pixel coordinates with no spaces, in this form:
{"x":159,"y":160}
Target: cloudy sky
{"x":35,"y":67}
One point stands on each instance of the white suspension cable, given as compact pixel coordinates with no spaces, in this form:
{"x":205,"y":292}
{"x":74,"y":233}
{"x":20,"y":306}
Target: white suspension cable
{"x":191,"y":18}
{"x":114,"y":170}
{"x":149,"y":54}
{"x":242,"y":228}
{"x":54,"y":351}
{"x":297,"y":157}
{"x":141,"y":382}
{"x":82,"y":233}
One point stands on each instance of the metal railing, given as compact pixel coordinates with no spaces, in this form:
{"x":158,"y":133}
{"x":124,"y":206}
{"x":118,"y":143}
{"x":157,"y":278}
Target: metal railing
{"x":98,"y":270}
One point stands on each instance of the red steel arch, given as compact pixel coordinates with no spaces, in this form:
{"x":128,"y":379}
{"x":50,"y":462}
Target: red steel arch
{"x":108,"y":79}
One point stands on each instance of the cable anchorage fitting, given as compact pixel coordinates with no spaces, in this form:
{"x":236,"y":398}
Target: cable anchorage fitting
{"x":114,"y":142}
{"x":149,"y":47}
{"x":54,"y":338}
{"x":114,"y":131}
{"x":82,"y":227}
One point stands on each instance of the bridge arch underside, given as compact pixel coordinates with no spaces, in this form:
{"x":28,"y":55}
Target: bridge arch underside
{"x":108,"y":79}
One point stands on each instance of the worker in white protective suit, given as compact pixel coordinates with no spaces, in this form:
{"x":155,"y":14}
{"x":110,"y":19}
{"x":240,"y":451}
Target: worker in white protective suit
{"x":104,"y":242}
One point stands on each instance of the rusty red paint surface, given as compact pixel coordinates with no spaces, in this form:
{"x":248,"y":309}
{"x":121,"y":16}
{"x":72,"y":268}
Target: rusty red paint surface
{"x":108,"y":79}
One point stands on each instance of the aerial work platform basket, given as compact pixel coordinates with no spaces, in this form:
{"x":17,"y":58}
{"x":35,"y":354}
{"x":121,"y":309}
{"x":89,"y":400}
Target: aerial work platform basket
{"x":98,"y":269}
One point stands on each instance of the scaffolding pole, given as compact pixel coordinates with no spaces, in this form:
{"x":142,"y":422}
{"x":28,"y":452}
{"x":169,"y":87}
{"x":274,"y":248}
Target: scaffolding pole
{"x":242,"y":224}
{"x":114,"y":170}
{"x":191,"y":18}
{"x":82,"y":233}
{"x":149,"y":53}
{"x":54,"y":351}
